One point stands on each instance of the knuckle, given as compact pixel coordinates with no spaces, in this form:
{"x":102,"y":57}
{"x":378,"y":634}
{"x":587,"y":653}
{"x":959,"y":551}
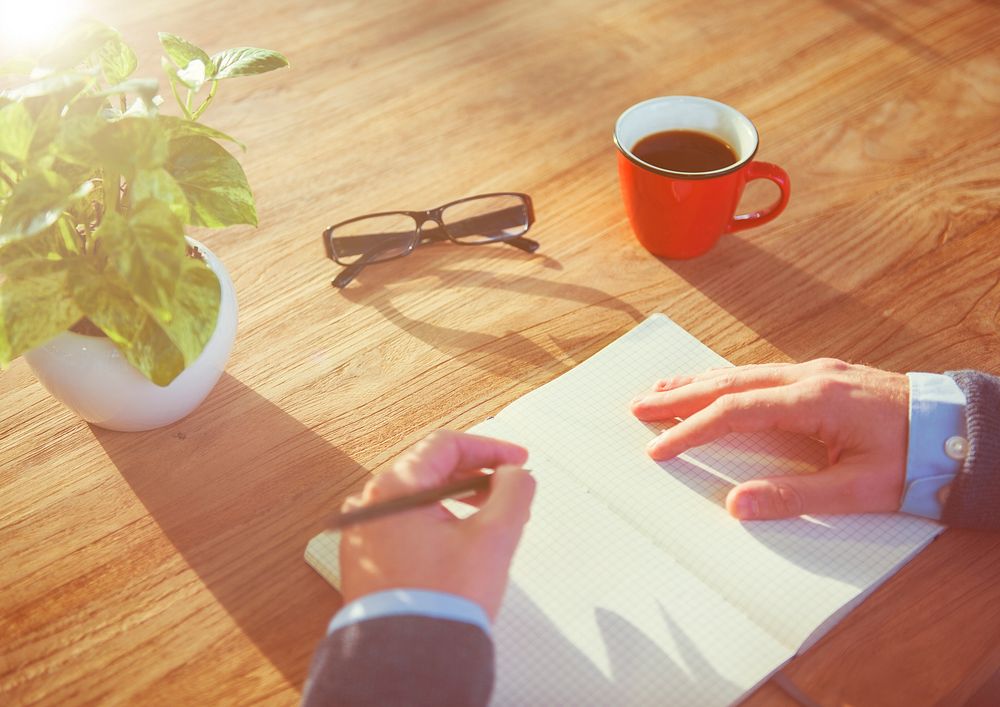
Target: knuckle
{"x":831,"y":365}
{"x":352,"y":501}
{"x":410,"y":456}
{"x":438,"y":435}
{"x":789,"y":500}
{"x":726,"y":381}
{"x":723,"y":413}
{"x":372,"y":489}
{"x":728,"y":404}
{"x":431,"y":441}
{"x":672,"y":382}
{"x":437,"y":438}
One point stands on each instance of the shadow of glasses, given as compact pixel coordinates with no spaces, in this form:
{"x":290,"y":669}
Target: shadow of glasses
{"x":505,"y":354}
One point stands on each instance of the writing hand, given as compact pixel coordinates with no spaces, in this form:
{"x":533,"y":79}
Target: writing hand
{"x":859,"y":412}
{"x":429,"y":547}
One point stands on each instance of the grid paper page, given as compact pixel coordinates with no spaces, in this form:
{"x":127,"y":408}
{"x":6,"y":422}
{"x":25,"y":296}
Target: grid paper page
{"x":789,"y":576}
{"x":323,"y":555}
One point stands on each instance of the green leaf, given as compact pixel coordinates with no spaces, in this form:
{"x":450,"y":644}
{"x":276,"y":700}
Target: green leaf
{"x":181,"y":51}
{"x":74,"y":142}
{"x":171,"y":71}
{"x":77,"y":140}
{"x":168,"y":68}
{"x":16,"y":130}
{"x":246,"y":61}
{"x":196,"y":309}
{"x":36,"y":305}
{"x":213,"y":181}
{"x":48,"y":115}
{"x":132,"y":144}
{"x":159,"y":351}
{"x":141,"y":108}
{"x":59,"y":83}
{"x":179,"y":127}
{"x":147,"y":250}
{"x":48,"y":245}
{"x":157,"y":184}
{"x":70,"y":241}
{"x":194,"y":75}
{"x":36,"y":203}
{"x":118,"y":61}
{"x":142,"y":341}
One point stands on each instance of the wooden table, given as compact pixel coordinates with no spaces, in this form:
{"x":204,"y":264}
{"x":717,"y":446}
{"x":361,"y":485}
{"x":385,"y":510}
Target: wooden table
{"x":166,"y":566}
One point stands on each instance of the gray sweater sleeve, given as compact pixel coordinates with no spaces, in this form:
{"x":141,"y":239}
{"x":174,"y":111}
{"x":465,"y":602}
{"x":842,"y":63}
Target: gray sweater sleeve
{"x":402,"y":660}
{"x":974,"y":499}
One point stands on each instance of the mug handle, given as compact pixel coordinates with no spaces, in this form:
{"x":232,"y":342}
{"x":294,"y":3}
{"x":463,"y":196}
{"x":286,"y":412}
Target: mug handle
{"x":764,"y":170}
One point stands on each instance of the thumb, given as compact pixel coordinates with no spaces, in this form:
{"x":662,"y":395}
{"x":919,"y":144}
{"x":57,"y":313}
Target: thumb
{"x":509,"y":501}
{"x":841,"y":488}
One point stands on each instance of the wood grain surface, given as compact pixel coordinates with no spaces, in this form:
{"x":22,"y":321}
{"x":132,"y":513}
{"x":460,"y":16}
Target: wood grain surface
{"x":166,"y":567}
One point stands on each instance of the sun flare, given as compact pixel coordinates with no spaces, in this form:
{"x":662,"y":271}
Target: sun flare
{"x":29,"y":25}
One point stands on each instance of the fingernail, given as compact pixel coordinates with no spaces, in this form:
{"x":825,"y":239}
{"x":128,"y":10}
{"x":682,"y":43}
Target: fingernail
{"x":746,"y":507}
{"x":508,"y":469}
{"x":656,"y":442}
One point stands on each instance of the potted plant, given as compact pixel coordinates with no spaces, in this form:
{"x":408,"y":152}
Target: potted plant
{"x":122,"y":317}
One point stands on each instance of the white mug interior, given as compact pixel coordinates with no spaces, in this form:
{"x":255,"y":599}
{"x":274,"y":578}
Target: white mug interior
{"x":686,"y":113}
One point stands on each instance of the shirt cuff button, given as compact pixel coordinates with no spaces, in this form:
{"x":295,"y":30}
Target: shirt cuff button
{"x":956,"y":448}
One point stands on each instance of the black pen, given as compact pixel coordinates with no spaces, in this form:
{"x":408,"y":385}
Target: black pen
{"x":455,"y":489}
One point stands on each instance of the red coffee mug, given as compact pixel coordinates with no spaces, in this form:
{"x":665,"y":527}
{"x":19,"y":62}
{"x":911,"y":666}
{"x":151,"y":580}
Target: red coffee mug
{"x":683,"y":214}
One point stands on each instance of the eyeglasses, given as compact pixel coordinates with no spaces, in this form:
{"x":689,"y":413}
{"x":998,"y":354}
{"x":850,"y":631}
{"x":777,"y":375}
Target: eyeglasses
{"x":477,"y":220}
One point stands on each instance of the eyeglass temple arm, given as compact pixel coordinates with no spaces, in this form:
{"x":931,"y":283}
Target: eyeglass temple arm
{"x":526,"y":244}
{"x":347,"y":275}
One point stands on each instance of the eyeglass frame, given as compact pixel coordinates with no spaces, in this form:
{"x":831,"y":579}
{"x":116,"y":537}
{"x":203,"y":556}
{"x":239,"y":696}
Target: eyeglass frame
{"x":420,"y":218}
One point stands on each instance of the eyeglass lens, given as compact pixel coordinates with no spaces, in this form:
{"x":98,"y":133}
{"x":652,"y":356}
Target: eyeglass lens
{"x":486,"y":218}
{"x":384,"y":236}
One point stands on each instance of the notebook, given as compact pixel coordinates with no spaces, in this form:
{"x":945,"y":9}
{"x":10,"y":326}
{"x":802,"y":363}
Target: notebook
{"x":632,"y":585}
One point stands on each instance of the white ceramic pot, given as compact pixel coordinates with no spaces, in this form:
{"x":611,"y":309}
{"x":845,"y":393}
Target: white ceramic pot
{"x":92,"y":377}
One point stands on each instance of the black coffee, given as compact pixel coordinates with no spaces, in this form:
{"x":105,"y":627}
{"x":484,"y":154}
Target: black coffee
{"x":685,"y":151}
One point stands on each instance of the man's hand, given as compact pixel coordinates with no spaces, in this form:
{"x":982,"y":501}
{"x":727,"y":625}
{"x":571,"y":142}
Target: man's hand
{"x":861,"y":414}
{"x":429,"y":548}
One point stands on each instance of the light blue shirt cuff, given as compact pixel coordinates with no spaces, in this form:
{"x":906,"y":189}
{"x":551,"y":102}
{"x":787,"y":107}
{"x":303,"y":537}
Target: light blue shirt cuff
{"x":412,"y":602}
{"x":937,"y":442}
